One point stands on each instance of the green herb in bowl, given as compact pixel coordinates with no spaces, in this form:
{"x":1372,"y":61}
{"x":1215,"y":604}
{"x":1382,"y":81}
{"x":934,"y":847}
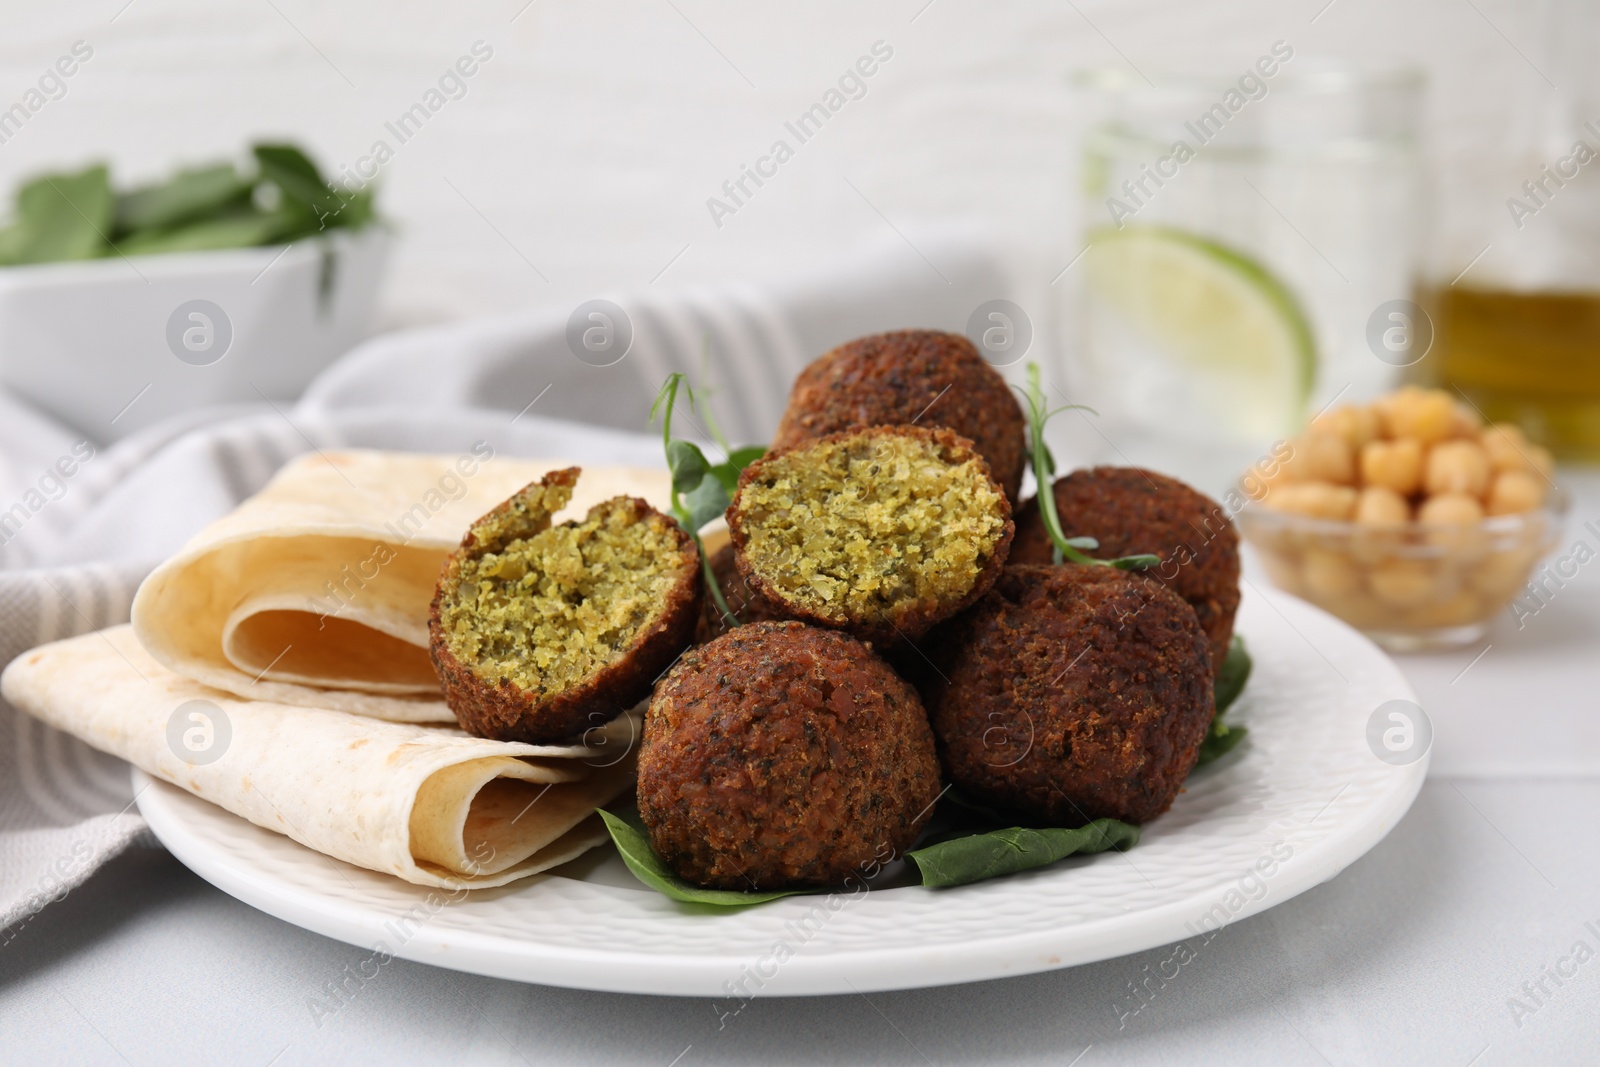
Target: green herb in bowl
{"x":76,"y":216}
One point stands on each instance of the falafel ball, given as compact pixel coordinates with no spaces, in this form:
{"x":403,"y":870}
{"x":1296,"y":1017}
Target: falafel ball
{"x":926,"y":377}
{"x":780,"y":756}
{"x":1070,"y":694}
{"x":539,"y":632}
{"x":745,"y":604}
{"x":882,"y":531}
{"x":1131,"y":511}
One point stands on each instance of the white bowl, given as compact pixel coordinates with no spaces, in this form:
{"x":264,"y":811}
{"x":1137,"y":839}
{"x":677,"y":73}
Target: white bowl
{"x":110,"y":346}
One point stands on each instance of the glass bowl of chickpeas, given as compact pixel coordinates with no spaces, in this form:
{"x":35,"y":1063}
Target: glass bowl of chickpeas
{"x":1408,"y":517}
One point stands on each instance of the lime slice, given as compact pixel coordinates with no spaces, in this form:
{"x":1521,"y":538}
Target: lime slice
{"x":1217,"y":325}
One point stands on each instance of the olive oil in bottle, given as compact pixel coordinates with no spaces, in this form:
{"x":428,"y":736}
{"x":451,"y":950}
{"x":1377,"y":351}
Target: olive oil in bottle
{"x":1532,"y":358}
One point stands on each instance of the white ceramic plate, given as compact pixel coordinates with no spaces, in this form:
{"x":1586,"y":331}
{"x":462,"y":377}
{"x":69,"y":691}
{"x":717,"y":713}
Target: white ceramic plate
{"x":1302,"y":798}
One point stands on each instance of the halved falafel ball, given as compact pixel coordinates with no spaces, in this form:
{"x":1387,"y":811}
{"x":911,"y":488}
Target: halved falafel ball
{"x":926,"y":377}
{"x":1072,"y":693}
{"x":540,"y":632}
{"x":1132,"y":511}
{"x":882,"y":532}
{"x":781,"y":755}
{"x":744,"y":603}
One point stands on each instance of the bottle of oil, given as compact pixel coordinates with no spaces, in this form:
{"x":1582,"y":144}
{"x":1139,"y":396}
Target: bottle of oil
{"x":1526,"y":356}
{"x":1514,"y":287}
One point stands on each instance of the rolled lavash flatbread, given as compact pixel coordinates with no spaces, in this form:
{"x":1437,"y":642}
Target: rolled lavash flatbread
{"x":315,"y":591}
{"x":427,"y":804}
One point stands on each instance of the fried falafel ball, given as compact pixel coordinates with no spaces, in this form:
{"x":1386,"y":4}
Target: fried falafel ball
{"x":926,"y":377}
{"x":1132,"y":511}
{"x":1072,"y":693}
{"x":744,"y":603}
{"x":781,"y":756}
{"x":881,"y":532}
{"x":540,"y":632}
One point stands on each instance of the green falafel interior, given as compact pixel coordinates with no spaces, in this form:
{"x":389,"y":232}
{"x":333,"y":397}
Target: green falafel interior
{"x":853,"y":526}
{"x":543,"y":607}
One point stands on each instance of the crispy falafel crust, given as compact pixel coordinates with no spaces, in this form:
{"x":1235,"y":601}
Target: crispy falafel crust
{"x":928,"y":377}
{"x":781,"y":755}
{"x":1131,"y":511}
{"x":1072,"y":693}
{"x":906,"y":621}
{"x":506,"y":712}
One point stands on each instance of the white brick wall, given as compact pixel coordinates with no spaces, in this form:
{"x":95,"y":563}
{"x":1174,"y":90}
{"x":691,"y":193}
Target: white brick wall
{"x":592,"y":138}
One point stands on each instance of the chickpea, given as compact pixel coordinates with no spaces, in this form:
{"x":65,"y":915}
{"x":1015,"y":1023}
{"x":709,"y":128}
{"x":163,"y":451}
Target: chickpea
{"x":1260,"y":480}
{"x":1467,"y":422}
{"x":1403,"y":582}
{"x":1395,"y":465}
{"x":1463,"y":609}
{"x":1321,"y":456}
{"x":1507,"y":447}
{"x":1514,"y":492}
{"x":1357,"y":425}
{"x":1428,"y":415}
{"x":1450,"y":509}
{"x":1379,"y":506}
{"x":1360,"y":608}
{"x":1318,"y":500}
{"x":1457,"y":467}
{"x":1329,"y":574}
{"x":1501,"y":575}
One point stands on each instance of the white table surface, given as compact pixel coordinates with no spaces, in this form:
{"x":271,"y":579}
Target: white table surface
{"x":1410,"y":956}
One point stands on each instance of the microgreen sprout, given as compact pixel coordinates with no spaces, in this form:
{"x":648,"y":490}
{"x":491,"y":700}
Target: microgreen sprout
{"x":1044,"y":471}
{"x":701,"y":490}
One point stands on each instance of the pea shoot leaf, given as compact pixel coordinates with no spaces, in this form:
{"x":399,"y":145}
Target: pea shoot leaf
{"x":687,"y":464}
{"x":729,"y":470}
{"x":706,"y":502}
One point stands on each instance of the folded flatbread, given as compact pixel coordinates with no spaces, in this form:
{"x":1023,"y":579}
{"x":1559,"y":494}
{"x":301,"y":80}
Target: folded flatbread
{"x":428,"y":804}
{"x":315,"y":591}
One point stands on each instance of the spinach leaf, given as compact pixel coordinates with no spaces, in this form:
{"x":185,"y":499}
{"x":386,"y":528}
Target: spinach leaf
{"x":187,"y":196}
{"x":631,"y":842}
{"x":974,"y":858}
{"x":292,"y":171}
{"x":77,"y":216}
{"x":240,"y":231}
{"x":1233,"y":674}
{"x":1220,"y":740}
{"x":61,"y":217}
{"x":1231,"y":678}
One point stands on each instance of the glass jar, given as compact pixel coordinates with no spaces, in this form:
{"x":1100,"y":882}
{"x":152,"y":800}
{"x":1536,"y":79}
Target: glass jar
{"x":1289,"y":191}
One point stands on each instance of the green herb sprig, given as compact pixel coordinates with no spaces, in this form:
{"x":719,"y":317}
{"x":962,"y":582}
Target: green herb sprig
{"x":1044,"y":471}
{"x":701,"y":490}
